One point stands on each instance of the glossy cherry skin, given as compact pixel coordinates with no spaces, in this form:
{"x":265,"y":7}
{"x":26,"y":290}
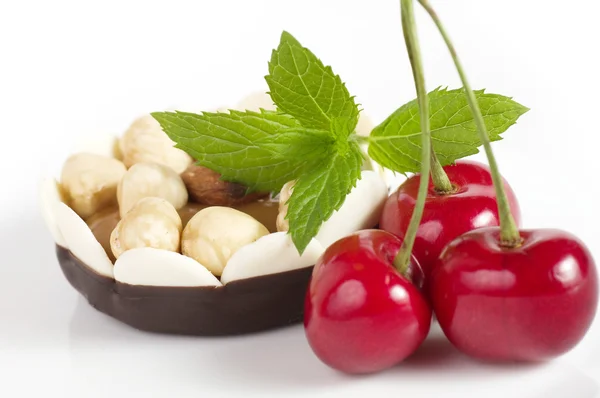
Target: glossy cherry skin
{"x":530,"y":303}
{"x":361,"y":314}
{"x":446,"y":217}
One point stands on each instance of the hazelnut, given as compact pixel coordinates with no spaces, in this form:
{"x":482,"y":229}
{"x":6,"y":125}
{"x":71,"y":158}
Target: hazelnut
{"x":284,"y":196}
{"x":89,"y":182}
{"x":206,"y":187}
{"x":152,"y":222}
{"x":145,"y":141}
{"x":214,"y":234}
{"x":144,"y":180}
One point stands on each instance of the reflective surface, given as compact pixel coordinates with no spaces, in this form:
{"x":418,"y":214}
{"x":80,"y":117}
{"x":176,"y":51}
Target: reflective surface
{"x":52,"y":340}
{"x":531,"y":303}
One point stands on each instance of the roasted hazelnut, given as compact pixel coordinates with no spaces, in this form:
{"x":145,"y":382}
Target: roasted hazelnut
{"x":144,"y":180}
{"x":206,"y":187}
{"x":284,"y":196}
{"x":145,"y":141}
{"x":152,"y":222}
{"x":215,"y":233}
{"x":89,"y":182}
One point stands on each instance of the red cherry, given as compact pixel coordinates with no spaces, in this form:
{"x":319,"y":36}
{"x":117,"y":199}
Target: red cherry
{"x":361,"y":314}
{"x":448,"y":216}
{"x":529,"y":303}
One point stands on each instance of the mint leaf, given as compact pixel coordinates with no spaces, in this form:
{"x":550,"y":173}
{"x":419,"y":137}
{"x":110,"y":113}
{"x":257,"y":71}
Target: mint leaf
{"x":342,"y":127}
{"x":396,"y":143}
{"x":306,"y":89}
{"x":300,"y":144}
{"x":229,"y":143}
{"x":320,"y":192}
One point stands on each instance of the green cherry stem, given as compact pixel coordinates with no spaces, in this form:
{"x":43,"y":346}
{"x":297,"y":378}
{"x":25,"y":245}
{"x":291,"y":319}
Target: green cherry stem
{"x":440,"y":179}
{"x":402,"y":259}
{"x":509,"y":233}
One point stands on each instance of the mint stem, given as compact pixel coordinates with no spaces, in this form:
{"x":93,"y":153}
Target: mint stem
{"x":440,"y":179}
{"x":402,"y":259}
{"x":509,"y":233}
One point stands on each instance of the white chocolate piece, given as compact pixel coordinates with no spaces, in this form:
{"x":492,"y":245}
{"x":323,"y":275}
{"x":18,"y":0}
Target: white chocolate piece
{"x":215,"y":233}
{"x":145,"y":141}
{"x":50,"y":196}
{"x":361,"y":209}
{"x":364,"y":125}
{"x":363,"y":128}
{"x":82,"y":242}
{"x":148,"y":266}
{"x":145,"y":180}
{"x":270,"y":254}
{"x":151,"y":222}
{"x":89,"y":182}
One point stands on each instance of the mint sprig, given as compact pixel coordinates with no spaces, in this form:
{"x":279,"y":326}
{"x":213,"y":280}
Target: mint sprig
{"x":311,"y":138}
{"x":396,"y":142}
{"x":301,"y":86}
{"x":300,"y":144}
{"x":320,"y":192}
{"x":229,"y":143}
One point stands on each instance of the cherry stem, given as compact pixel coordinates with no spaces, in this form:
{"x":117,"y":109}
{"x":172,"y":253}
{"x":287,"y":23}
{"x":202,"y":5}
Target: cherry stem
{"x":509,"y":233}
{"x":440,"y":179}
{"x":402,"y":259}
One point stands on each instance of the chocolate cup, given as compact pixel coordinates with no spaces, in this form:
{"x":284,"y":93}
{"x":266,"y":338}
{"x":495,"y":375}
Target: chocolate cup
{"x":240,"y":307}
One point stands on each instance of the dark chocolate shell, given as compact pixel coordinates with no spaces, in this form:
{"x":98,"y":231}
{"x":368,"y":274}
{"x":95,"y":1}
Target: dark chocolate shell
{"x":239,"y":307}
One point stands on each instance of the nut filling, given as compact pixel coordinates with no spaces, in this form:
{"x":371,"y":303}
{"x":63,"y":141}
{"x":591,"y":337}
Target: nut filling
{"x":166,"y":245}
{"x":102,"y":224}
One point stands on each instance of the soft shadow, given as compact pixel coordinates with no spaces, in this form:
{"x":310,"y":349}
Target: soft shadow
{"x":270,"y":362}
{"x":276,"y":361}
{"x":437,"y":354}
{"x":570,"y":383}
{"x":90,"y":326}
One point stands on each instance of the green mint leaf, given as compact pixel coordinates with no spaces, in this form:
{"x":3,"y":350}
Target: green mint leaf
{"x":396,"y":143}
{"x":229,"y":143}
{"x":320,"y":192}
{"x":301,"y":144}
{"x":342,"y":127}
{"x":300,"y":85}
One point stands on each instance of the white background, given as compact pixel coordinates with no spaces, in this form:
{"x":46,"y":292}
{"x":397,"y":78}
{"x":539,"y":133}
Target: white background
{"x":72,"y":69}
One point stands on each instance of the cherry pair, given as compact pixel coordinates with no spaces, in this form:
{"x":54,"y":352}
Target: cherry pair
{"x":530,"y":302}
{"x":499,"y":293}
